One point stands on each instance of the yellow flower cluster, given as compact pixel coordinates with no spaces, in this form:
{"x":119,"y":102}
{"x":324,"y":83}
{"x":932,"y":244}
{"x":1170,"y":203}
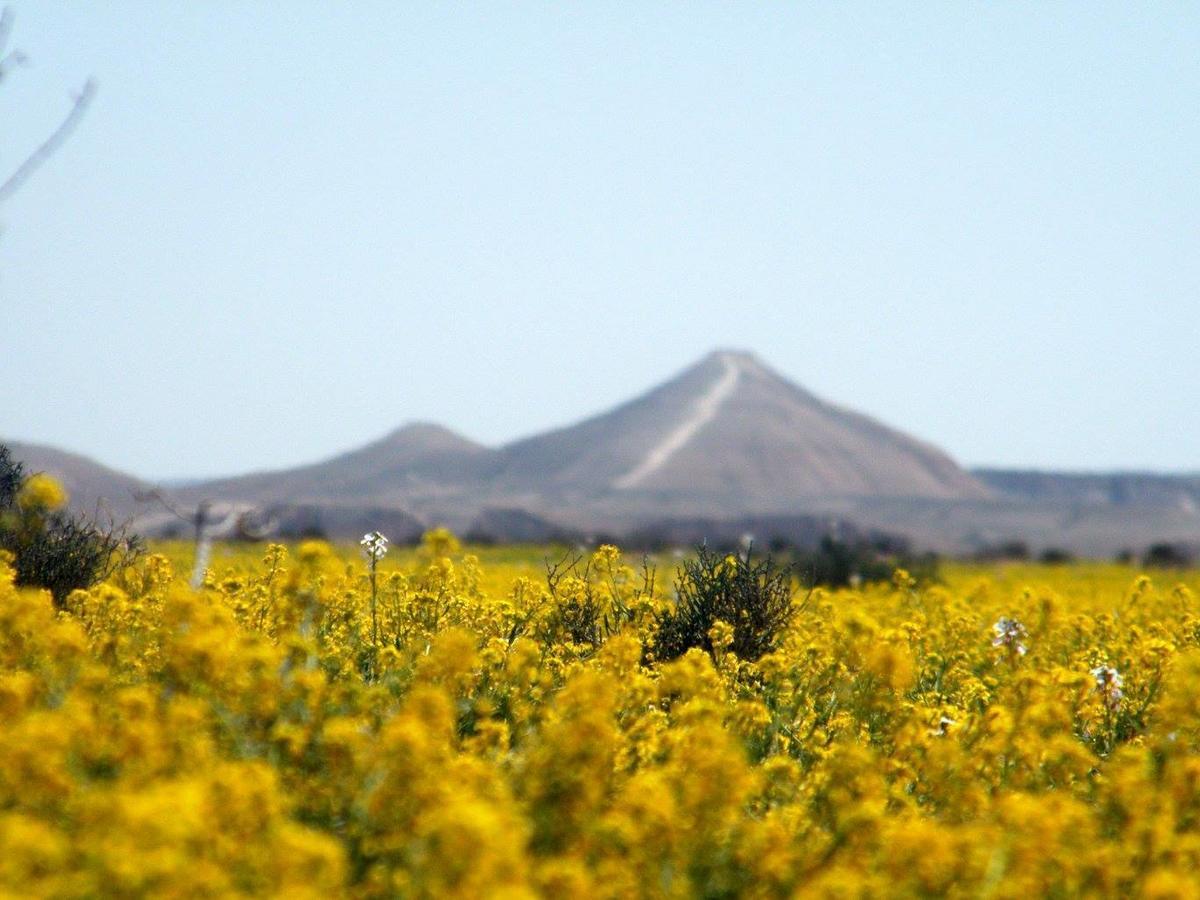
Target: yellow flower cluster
{"x":41,"y":492}
{"x":302,"y":726}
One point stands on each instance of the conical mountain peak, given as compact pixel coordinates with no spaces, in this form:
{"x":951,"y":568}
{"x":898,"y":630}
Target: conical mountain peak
{"x":743,"y":364}
{"x":729,"y":429}
{"x":733,"y":355}
{"x":743,"y":360}
{"x":726,"y":436}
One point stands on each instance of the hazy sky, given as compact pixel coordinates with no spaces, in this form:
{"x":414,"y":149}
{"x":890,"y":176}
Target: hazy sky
{"x":285,"y":229}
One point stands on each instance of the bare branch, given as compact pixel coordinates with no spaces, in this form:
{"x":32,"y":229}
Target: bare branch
{"x":9,"y":59}
{"x":6,"y":22}
{"x":52,"y":143}
{"x":155,"y":496}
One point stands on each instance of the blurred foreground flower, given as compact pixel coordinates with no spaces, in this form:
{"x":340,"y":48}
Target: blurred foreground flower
{"x":42,"y":492}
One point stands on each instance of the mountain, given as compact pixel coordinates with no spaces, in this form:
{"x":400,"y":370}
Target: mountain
{"x":1118,"y":489}
{"x":730,"y":434}
{"x":726,"y":436}
{"x":727,"y":440}
{"x":93,"y":488}
{"x":418,"y":460}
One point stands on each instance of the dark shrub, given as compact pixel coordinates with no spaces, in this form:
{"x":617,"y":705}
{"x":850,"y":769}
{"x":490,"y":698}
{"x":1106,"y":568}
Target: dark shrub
{"x":1055,"y":556}
{"x":1168,"y":556}
{"x":54,"y":550}
{"x":11,"y":476}
{"x":1005,"y":551}
{"x":66,"y":554}
{"x":838,"y":564}
{"x":755,"y":597}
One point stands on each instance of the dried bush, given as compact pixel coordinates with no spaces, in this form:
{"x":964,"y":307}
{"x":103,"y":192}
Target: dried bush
{"x":755,"y":597}
{"x":12,"y":474}
{"x":52,"y":549}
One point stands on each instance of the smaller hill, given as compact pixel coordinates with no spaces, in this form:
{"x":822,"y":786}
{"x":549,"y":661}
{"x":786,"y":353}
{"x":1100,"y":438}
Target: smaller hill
{"x":93,"y":487}
{"x":419,"y":458}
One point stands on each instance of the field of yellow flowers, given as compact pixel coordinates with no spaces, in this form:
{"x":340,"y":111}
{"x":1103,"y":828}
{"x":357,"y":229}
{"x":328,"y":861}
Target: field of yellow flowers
{"x":311,"y":722}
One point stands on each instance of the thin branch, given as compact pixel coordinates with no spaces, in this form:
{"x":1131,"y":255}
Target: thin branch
{"x":52,"y":143}
{"x":155,"y":496}
{"x":9,"y":59}
{"x":6,"y":22}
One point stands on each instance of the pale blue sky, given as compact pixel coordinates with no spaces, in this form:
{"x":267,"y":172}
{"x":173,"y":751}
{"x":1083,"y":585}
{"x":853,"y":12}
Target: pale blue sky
{"x":284,"y":229}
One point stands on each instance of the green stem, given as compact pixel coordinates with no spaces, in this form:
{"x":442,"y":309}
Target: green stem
{"x":374,"y":619}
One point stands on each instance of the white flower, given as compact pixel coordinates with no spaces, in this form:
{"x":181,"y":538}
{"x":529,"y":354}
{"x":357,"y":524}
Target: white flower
{"x":1107,"y":676}
{"x":374,"y":546}
{"x":943,"y":726}
{"x":1008,"y":634}
{"x":1108,"y":683}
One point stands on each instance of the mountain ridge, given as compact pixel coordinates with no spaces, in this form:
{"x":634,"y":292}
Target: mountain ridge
{"x":727,"y":428}
{"x":727,"y":438}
